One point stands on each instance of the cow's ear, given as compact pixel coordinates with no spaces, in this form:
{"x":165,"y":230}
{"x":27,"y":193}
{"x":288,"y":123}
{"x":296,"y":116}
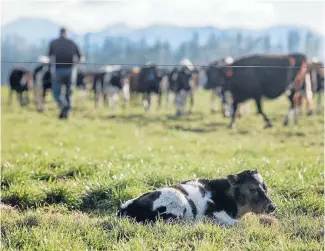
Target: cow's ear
{"x":233,"y":179}
{"x":256,"y":171}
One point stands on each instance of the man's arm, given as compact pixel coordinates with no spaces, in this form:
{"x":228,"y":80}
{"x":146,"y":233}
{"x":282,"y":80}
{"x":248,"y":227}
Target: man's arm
{"x":77,"y":51}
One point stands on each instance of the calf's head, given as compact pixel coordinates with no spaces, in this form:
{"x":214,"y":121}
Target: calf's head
{"x":250,"y":192}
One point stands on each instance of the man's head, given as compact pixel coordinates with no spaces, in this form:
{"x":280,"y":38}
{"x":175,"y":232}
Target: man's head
{"x":63,"y":32}
{"x":250,"y":191}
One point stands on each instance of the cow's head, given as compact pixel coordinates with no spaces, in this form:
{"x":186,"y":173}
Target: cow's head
{"x":215,"y":74}
{"x":184,"y":76}
{"x":250,"y":192}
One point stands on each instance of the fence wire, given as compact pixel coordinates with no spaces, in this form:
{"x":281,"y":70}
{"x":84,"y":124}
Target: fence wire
{"x":163,"y":65}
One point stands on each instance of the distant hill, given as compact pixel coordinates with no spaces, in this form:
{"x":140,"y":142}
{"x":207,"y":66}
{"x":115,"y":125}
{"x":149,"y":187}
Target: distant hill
{"x":32,"y":30}
{"x":36,"y":30}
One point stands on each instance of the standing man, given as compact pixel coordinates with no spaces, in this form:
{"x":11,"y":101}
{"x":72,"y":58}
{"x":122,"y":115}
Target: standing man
{"x":63,"y":53}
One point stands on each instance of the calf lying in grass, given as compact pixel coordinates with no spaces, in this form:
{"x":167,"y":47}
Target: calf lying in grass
{"x":223,"y":200}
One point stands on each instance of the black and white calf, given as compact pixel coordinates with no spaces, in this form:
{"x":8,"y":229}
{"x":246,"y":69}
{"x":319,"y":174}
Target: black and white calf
{"x":223,"y":200}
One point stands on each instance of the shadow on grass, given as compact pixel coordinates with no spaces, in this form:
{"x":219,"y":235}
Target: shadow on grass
{"x":144,"y":119}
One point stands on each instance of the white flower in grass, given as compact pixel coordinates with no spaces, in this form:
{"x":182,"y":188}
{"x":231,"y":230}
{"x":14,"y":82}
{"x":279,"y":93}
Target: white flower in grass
{"x":7,"y":164}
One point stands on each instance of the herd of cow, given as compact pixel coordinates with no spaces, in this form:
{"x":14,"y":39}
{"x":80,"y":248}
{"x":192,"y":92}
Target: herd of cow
{"x":234,"y":81}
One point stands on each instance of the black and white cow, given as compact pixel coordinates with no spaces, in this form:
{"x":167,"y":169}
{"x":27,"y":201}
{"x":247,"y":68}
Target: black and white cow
{"x":110,"y":81}
{"x":216,"y":82}
{"x":148,"y":83}
{"x":20,"y":82}
{"x":183,"y":81}
{"x":224,"y":200}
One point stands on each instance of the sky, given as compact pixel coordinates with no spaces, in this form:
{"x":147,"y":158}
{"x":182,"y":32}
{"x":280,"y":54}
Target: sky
{"x":88,"y":16}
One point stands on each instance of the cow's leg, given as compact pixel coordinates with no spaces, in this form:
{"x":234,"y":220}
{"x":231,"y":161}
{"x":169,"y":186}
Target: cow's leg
{"x":319,"y":101}
{"x":159,"y":97}
{"x":180,"y":102}
{"x":214,"y":101}
{"x":260,"y":111}
{"x":35,"y":97}
{"x":43,"y":98}
{"x":309,"y":106}
{"x":97,"y":91}
{"x":125,"y":98}
{"x":149,"y":100}
{"x":308,"y":95}
{"x":290,"y":112}
{"x":26,"y":99}
{"x":126,"y":95}
{"x":168,"y":97}
{"x":114,"y":97}
{"x":191,"y":94}
{"x":40,"y":94}
{"x":146,"y":101}
{"x":226,"y":107}
{"x":96,"y":99}
{"x":105,"y":98}
{"x":234,"y":114}
{"x":223,"y":219}
{"x":20,"y":99}
{"x":297,"y":103}
{"x":11,"y":92}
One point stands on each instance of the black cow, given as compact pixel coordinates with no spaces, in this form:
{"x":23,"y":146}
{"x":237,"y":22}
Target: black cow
{"x":19,"y":82}
{"x":149,"y":82}
{"x":260,"y":76}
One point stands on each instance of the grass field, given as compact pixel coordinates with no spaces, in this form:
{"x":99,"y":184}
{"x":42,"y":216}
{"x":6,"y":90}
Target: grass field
{"x":62,"y":181}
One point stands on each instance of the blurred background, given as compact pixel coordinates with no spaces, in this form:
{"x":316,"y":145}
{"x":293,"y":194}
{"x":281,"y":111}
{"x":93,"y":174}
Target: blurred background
{"x":163,"y":32}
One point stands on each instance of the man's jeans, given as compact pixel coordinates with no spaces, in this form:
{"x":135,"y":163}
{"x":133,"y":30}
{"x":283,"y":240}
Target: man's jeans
{"x":61,"y":77}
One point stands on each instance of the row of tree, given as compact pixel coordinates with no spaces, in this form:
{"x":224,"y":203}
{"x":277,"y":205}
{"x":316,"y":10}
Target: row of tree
{"x":121,"y":50}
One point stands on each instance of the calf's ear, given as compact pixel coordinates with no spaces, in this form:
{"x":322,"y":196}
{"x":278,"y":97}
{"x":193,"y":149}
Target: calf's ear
{"x":233,"y":179}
